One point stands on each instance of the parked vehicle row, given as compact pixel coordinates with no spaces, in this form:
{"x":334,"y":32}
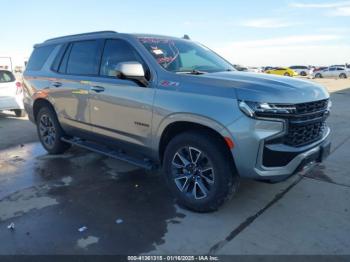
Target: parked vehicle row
{"x":334,"y":71}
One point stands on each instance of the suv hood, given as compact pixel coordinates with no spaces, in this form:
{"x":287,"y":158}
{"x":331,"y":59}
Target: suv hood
{"x":269,"y":88}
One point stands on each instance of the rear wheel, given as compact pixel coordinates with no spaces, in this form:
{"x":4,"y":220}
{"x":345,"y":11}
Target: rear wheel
{"x":20,"y":112}
{"x":198,"y":171}
{"x":50,"y":131}
{"x":343,"y":76}
{"x":286,"y":74}
{"x":318,"y":75}
{"x":303,"y":73}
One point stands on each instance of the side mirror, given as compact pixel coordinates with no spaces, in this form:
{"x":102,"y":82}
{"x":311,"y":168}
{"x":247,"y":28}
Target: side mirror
{"x":130,"y":69}
{"x":133,"y":71}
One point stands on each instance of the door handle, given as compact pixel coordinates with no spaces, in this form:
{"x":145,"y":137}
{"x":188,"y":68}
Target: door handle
{"x":56,"y":84}
{"x":97,"y":89}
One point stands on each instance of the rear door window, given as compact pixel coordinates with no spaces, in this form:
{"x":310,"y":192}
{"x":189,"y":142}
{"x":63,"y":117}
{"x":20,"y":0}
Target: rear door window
{"x":84,"y":58}
{"x":39,"y":57}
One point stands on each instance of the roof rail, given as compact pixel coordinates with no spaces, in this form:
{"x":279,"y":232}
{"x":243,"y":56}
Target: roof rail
{"x":77,"y":35}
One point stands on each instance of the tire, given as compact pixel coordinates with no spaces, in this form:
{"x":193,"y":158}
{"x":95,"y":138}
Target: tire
{"x":318,"y":75}
{"x":302,"y":73}
{"x":20,"y":112}
{"x":342,"y":76}
{"x":50,"y":132}
{"x":208,"y":170}
{"x":286,"y":74}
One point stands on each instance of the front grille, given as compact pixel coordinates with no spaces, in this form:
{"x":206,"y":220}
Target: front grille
{"x":299,"y":135}
{"x":311,"y":107}
{"x":307,"y":124}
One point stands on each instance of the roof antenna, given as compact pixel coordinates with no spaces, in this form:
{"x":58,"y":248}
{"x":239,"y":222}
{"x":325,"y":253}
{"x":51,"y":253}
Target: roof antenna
{"x":186,"y":37}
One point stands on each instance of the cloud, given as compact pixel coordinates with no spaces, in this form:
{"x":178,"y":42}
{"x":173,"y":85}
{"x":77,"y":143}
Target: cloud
{"x":318,"y":49}
{"x":267,"y":23}
{"x":288,"y":40}
{"x":320,"y":5}
{"x":334,"y":8}
{"x":341,"y":11}
{"x":305,"y":54}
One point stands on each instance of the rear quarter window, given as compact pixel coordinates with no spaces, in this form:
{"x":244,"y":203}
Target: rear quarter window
{"x":39,"y":57}
{"x":6,"y":76}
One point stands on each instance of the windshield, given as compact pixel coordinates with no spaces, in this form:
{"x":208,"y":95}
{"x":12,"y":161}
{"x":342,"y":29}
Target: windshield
{"x":183,"y":56}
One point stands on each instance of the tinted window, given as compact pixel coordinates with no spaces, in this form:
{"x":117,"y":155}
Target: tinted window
{"x":6,"y":76}
{"x":63,"y":65}
{"x":84,"y":58}
{"x":39,"y":57}
{"x":115,"y":52}
{"x":57,"y":61}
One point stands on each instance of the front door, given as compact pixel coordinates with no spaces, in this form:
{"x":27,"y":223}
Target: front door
{"x":120,"y":108}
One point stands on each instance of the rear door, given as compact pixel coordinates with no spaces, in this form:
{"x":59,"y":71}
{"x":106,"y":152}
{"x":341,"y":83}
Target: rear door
{"x":8,"y":90}
{"x":120,"y":108}
{"x":332,"y":72}
{"x":326,"y":72}
{"x":7,"y":84}
{"x":70,"y":89}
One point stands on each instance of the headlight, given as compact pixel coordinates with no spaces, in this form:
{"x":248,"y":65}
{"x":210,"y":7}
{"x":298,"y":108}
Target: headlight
{"x":258,"y":109}
{"x":329,"y":105}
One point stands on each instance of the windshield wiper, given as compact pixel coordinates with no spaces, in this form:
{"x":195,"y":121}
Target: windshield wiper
{"x":192,"y":72}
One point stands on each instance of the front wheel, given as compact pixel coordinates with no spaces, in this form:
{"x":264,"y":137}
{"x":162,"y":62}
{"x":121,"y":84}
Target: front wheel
{"x":198,"y":171}
{"x":50,"y":131}
{"x":286,"y":74}
{"x":318,"y":75}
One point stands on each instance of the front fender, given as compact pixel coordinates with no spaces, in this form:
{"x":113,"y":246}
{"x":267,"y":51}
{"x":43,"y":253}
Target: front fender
{"x":186,"y":117}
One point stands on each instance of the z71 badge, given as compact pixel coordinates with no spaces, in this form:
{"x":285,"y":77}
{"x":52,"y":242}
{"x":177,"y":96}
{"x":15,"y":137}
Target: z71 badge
{"x":167,"y":83}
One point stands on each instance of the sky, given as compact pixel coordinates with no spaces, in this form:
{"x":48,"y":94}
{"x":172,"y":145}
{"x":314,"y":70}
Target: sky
{"x":252,"y":33}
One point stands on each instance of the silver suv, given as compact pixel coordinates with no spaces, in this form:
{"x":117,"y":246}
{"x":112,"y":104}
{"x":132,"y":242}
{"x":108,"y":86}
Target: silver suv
{"x":158,"y":101}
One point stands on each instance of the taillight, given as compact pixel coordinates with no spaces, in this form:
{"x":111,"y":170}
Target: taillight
{"x":19,"y":88}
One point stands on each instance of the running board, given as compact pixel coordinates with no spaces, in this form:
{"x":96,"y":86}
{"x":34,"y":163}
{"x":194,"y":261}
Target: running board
{"x":120,"y":155}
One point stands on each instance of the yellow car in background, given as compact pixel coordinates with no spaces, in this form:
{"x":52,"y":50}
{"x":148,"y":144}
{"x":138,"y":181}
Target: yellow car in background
{"x":282,"y":71}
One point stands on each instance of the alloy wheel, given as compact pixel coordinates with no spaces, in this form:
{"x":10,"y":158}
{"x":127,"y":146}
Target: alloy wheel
{"x":193,"y":172}
{"x":47,"y":130}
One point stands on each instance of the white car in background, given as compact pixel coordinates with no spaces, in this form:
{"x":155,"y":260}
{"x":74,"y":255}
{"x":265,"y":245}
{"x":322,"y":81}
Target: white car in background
{"x":332,"y":72}
{"x":302,"y":70}
{"x":254,"y":69}
{"x":11,"y":93}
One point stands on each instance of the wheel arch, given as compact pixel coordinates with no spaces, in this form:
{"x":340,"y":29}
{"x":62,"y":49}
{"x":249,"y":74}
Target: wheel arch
{"x":173,"y":128}
{"x":38,"y":104}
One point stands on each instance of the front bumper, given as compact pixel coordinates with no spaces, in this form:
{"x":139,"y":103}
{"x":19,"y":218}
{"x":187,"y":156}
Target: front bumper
{"x":257,"y":159}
